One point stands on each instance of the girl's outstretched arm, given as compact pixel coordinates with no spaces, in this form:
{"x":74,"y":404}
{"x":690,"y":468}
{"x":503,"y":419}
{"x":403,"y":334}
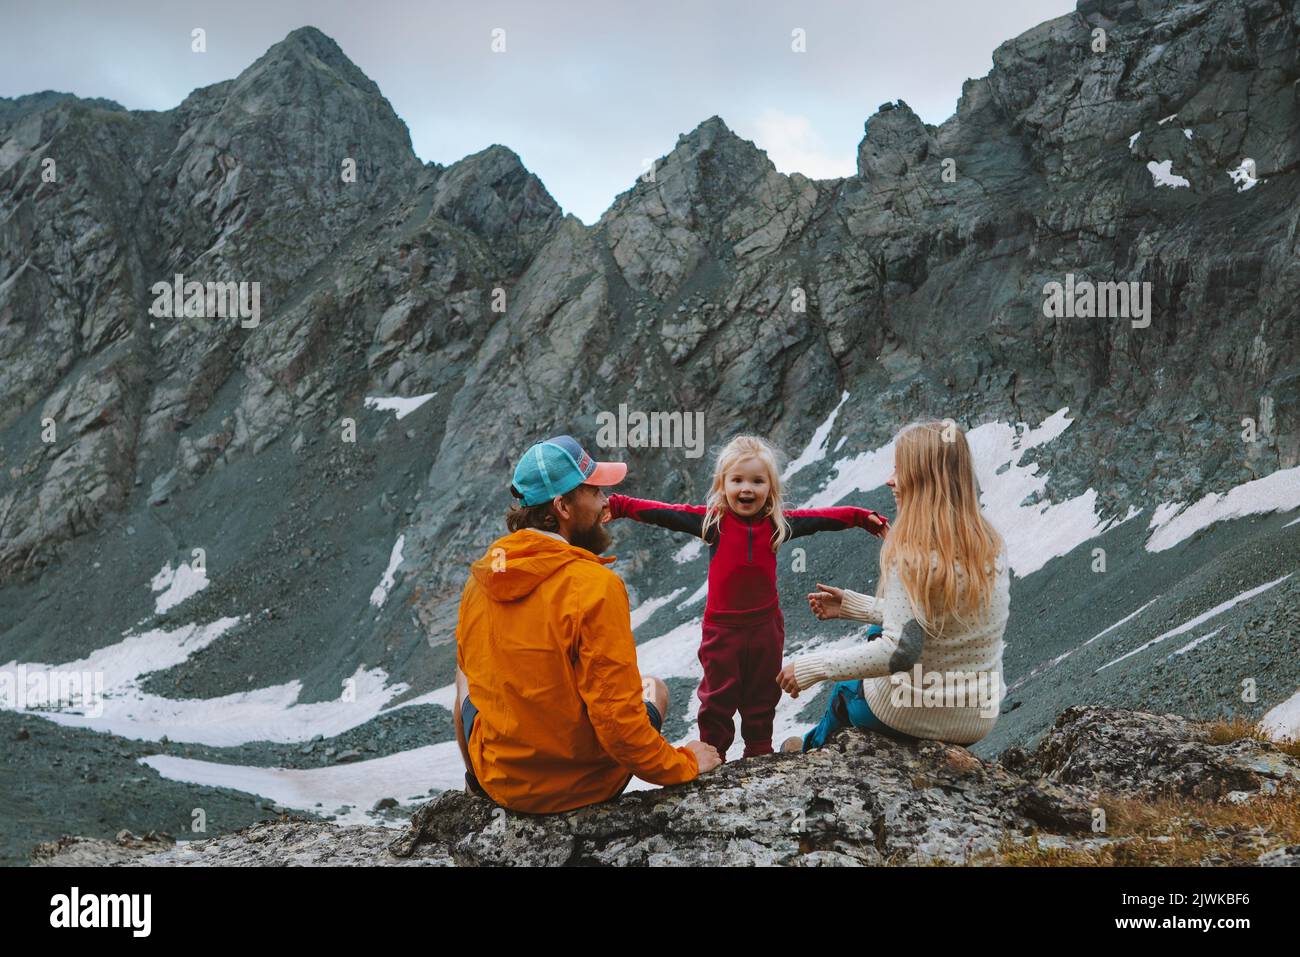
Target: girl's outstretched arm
{"x":806,"y":521}
{"x":677,"y":518}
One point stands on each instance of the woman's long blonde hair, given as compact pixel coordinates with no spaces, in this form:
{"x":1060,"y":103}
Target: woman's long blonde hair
{"x":939,"y":517}
{"x":743,"y":447}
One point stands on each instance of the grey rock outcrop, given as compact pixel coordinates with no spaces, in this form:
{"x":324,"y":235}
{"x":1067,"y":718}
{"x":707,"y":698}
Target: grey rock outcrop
{"x":1131,"y":753}
{"x":293,"y":842}
{"x":864,"y":799}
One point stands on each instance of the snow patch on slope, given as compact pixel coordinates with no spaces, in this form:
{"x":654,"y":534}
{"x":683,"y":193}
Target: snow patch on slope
{"x":816,"y":448}
{"x":642,"y":612}
{"x":348,"y":790}
{"x":1282,"y":723}
{"x":177,"y":585}
{"x":1162,"y":174}
{"x":120,"y":707}
{"x":380,"y":593}
{"x":401,"y":405}
{"x":1174,"y":523}
{"x":1035,"y":533}
{"x":688,"y":552}
{"x":1244,"y":176}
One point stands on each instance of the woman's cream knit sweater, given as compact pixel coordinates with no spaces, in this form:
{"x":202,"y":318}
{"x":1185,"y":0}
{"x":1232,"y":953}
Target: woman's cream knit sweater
{"x":947,"y":688}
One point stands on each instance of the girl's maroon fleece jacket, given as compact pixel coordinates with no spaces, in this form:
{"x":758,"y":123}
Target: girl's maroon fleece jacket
{"x":742,"y":564}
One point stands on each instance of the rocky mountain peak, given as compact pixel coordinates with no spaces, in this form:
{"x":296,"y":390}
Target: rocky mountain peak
{"x":305,"y":93}
{"x":710,"y":159}
{"x":1126,"y":11}
{"x":314,"y":42}
{"x":492,"y":194}
{"x":14,"y":109}
{"x":708,"y":131}
{"x":678,"y":204}
{"x":894,"y":141}
{"x":306,"y":50}
{"x":712,"y":141}
{"x":302,"y":143}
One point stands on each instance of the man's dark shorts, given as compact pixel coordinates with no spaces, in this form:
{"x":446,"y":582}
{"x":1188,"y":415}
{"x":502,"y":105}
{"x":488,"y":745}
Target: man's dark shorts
{"x":468,"y":712}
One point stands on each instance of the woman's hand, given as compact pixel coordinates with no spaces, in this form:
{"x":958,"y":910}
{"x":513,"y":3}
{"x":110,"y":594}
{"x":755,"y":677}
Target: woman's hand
{"x":826,"y":602}
{"x":787,"y":680}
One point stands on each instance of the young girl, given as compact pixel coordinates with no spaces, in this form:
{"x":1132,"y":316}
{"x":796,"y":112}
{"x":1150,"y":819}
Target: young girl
{"x":744,"y":524}
{"x":942,"y":601}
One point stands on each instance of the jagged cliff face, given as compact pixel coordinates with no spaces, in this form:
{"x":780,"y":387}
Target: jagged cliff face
{"x":924,"y":296}
{"x":681,"y":295}
{"x":241,"y":181}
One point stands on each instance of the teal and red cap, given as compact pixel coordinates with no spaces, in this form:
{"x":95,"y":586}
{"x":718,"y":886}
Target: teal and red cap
{"x":557,"y":466}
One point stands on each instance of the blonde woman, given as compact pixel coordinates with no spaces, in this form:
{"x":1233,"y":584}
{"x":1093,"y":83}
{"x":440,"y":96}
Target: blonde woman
{"x":744,"y":524}
{"x":935,"y":670}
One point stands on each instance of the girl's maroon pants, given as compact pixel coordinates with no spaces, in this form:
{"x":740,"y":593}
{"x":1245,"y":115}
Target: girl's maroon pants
{"x":741,"y":663}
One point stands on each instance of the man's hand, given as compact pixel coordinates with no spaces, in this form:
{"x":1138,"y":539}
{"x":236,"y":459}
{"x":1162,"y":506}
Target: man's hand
{"x":826,"y":601}
{"x":706,"y":754}
{"x":786,"y":679}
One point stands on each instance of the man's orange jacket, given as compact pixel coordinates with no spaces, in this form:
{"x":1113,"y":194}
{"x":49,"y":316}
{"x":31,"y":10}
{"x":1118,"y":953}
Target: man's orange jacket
{"x":545,"y":638}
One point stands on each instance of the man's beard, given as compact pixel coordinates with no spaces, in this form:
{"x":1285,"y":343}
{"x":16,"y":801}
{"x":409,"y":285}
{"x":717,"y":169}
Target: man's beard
{"x":594,"y":539}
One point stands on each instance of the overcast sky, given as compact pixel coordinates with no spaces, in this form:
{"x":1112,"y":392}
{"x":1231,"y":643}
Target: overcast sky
{"x":587,"y":91}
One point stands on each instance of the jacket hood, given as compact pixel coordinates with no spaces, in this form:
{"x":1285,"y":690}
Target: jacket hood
{"x":517,"y":563}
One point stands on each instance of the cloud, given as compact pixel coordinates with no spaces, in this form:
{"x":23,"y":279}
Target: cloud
{"x":794,"y":146}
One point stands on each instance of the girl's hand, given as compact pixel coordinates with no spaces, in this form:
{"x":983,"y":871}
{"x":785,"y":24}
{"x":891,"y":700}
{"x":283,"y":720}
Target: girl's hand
{"x":787,"y":680}
{"x":827,"y":601}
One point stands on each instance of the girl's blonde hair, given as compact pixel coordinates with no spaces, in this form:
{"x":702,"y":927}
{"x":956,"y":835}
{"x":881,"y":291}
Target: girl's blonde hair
{"x":743,"y":447}
{"x":943,"y":548}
